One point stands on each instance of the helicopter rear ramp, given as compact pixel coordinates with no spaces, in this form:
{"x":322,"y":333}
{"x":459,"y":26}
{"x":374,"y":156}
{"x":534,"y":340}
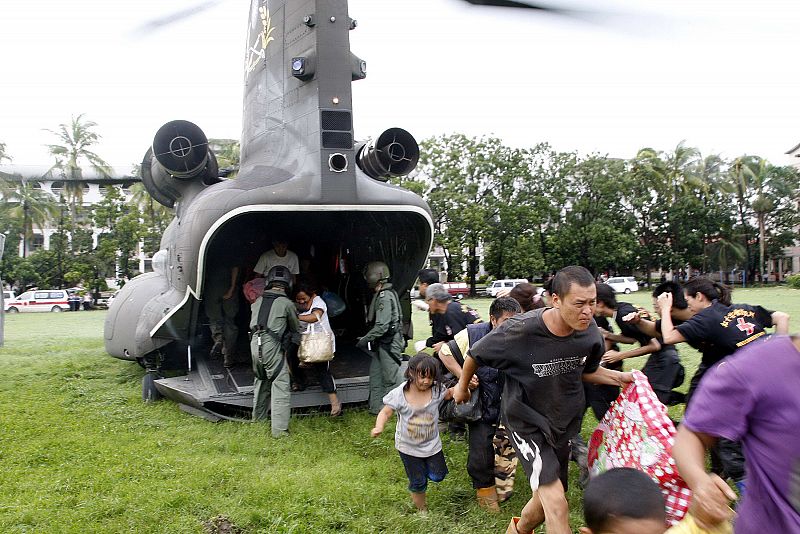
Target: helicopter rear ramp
{"x":214,"y":392}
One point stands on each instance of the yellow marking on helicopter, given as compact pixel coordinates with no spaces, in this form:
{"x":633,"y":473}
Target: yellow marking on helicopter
{"x":263,"y":38}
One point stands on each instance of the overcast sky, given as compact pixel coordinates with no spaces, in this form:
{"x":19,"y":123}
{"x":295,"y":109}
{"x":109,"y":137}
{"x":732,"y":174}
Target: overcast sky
{"x":722,"y":75}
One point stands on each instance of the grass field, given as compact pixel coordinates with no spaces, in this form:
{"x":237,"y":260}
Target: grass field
{"x":81,"y":453}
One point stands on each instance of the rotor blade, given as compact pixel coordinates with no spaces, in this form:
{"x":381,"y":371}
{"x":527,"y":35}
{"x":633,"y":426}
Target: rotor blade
{"x":177,"y":16}
{"x":512,"y":3}
{"x":620,"y":19}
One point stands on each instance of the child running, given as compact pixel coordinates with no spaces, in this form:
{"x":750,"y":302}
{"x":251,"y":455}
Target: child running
{"x":417,"y":435}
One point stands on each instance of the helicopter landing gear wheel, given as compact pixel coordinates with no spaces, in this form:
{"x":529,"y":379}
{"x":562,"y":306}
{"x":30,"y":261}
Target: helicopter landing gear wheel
{"x":149,"y":391}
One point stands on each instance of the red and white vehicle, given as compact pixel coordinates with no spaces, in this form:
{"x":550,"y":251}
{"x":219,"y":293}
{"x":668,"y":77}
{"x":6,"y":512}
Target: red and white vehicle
{"x":39,"y":300}
{"x":457,"y":289}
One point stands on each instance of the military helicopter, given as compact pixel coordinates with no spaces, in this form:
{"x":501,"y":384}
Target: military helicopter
{"x":303,"y":177}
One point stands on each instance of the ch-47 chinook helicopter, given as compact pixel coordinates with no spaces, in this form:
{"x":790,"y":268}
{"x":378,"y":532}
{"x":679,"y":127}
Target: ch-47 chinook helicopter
{"x":302,"y":177}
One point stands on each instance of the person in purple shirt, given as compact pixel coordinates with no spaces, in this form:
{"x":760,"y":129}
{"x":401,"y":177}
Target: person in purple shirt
{"x":752,"y":397}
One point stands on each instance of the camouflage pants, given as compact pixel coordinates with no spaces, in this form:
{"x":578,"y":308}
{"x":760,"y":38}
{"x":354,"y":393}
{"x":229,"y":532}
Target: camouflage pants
{"x":505,"y":464}
{"x":222,"y":320}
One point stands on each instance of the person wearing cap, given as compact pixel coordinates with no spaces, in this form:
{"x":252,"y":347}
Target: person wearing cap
{"x":273,"y":320}
{"x":448,"y":317}
{"x":384,"y":340}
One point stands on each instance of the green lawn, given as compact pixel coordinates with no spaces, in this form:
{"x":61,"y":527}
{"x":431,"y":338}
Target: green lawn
{"x":81,"y":452}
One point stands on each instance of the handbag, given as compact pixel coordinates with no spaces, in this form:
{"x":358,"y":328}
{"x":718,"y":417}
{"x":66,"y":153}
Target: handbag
{"x":315,"y":346}
{"x":467,"y":412}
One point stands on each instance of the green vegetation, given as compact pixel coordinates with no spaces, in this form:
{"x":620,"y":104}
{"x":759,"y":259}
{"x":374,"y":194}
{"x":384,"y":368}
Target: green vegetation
{"x":82,"y":453}
{"x":535,"y":209}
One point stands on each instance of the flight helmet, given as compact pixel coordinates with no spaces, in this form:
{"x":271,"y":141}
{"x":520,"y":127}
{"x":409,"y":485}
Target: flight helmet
{"x":279,"y":275}
{"x":376,"y":272}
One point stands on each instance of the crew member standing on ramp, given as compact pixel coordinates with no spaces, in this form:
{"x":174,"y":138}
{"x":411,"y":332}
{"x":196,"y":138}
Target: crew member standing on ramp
{"x":274,"y":319}
{"x":384,"y":340}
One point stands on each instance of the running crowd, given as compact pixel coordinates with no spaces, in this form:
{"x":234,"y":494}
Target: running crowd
{"x":528,"y":375}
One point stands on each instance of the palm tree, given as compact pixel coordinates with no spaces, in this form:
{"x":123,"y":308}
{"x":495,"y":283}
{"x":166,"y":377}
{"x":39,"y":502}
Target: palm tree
{"x":31,"y":205}
{"x":759,"y":175}
{"x":724,"y":252}
{"x":704,"y":177}
{"x":741,"y":178}
{"x":679,"y":166}
{"x":76,"y":140}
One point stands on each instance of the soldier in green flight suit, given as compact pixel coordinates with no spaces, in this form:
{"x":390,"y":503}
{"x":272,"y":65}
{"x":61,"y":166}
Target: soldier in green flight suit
{"x":273,"y":321}
{"x":384,"y":340}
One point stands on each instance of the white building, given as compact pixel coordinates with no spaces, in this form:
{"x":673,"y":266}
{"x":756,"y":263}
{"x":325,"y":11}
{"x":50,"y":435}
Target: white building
{"x":94,"y":187}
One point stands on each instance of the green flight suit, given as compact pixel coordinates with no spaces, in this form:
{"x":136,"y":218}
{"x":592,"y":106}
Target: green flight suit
{"x":271,"y":392}
{"x":387,"y":343}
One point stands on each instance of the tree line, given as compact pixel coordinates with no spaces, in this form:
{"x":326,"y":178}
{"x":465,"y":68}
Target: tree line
{"x":532,"y":210}
{"x":536,"y":209}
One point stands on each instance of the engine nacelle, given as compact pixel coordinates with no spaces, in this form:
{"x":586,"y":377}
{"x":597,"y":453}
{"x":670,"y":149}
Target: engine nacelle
{"x":179,"y":162}
{"x":394,"y":153}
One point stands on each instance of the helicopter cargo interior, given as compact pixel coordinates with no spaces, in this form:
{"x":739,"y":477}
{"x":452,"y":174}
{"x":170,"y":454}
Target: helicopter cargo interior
{"x":333,"y":246}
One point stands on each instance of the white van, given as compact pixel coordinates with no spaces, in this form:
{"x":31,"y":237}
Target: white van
{"x":39,"y":300}
{"x":499,"y":285}
{"x":623,"y":284}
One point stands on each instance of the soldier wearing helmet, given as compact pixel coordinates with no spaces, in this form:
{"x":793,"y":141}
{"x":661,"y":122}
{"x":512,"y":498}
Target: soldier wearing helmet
{"x":272,"y":323}
{"x":384,"y":340}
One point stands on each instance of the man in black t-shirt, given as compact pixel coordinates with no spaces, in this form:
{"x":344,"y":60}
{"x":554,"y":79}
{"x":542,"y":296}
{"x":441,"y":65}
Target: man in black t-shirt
{"x":448,"y":317}
{"x":663,"y":367}
{"x":544,"y":355}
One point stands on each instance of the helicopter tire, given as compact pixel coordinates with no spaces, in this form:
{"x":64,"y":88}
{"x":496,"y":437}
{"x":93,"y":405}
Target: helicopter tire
{"x":149,"y":391}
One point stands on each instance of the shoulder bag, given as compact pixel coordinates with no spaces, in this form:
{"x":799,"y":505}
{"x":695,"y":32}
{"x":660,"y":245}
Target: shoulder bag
{"x":316,"y":345}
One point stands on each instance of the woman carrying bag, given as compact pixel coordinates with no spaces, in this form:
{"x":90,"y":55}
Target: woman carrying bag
{"x":317,"y":344}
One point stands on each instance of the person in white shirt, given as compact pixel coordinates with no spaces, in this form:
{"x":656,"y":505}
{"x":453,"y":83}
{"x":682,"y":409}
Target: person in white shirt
{"x":313,"y":313}
{"x":278,"y":255}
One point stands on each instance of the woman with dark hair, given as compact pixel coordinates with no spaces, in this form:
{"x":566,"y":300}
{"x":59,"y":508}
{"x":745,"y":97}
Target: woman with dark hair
{"x":663,"y":368}
{"x":717,"y":329}
{"x":528,"y":296}
{"x":709,"y":289}
{"x":312,"y":310}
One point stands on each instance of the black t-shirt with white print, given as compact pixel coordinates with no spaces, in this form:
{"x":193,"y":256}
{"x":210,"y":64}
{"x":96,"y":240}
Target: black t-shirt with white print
{"x":720,"y":330}
{"x":543,"y":388}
